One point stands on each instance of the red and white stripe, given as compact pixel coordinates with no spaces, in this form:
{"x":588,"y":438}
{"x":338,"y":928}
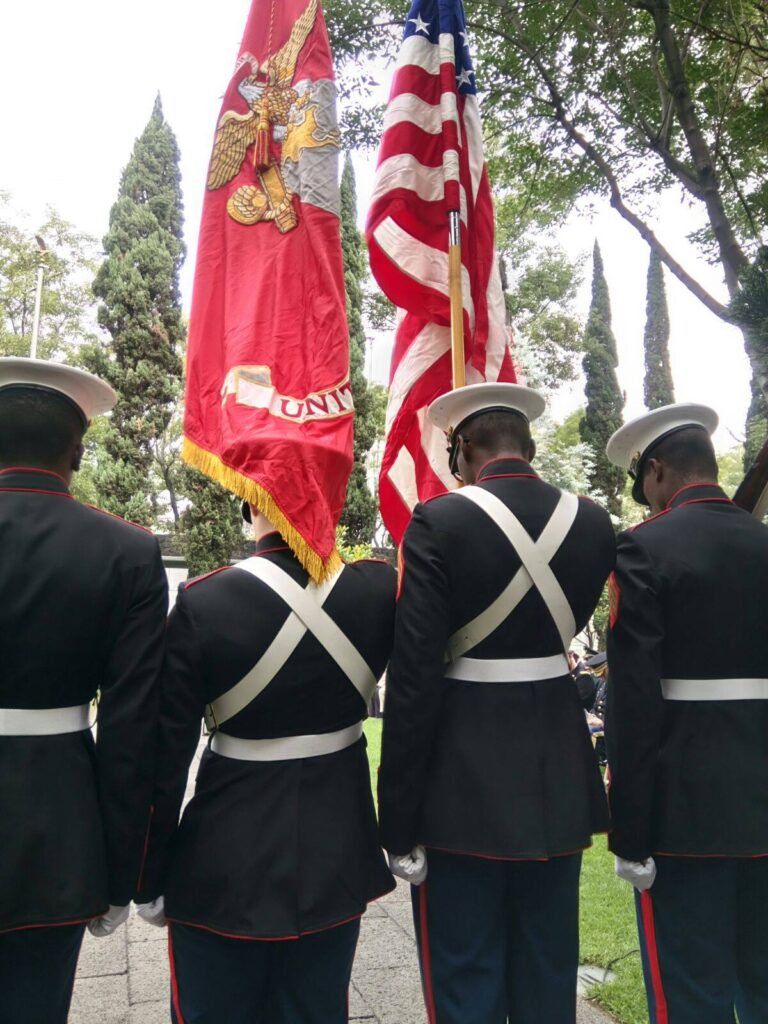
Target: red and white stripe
{"x":431,"y":161}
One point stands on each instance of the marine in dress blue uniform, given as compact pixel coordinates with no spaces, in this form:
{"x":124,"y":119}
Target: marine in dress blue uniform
{"x":83,"y":598}
{"x":687,"y":723}
{"x":489,"y":787}
{"x":277,"y":854}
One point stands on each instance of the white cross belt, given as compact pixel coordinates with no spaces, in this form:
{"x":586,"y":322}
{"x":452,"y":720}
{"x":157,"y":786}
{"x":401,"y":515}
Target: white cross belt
{"x":715,"y":689}
{"x":44,"y":721}
{"x":285,"y":748}
{"x":508,"y":670}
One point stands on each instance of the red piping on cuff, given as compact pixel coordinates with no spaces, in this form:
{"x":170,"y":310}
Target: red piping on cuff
{"x":52,"y":924}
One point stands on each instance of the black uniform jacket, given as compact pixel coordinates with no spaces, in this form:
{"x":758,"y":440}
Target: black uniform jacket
{"x":270,"y":849}
{"x":83,"y":598}
{"x":690,"y":601}
{"x":501,"y":770}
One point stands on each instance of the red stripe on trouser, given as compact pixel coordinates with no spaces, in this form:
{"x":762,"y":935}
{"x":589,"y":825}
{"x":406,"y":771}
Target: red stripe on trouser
{"x":174,"y":981}
{"x":426,"y":962}
{"x":649,"y":928}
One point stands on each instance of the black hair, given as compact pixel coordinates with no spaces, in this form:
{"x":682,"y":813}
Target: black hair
{"x":498,"y":429}
{"x":37,"y":426}
{"x":689,"y":452}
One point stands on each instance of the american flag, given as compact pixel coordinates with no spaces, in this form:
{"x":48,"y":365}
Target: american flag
{"x":431,"y":161}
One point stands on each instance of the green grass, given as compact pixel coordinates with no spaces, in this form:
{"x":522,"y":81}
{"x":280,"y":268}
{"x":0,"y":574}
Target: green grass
{"x":608,"y":930}
{"x":372,"y":730}
{"x":609,"y":936}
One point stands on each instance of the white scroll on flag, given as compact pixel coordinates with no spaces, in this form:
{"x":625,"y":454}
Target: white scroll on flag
{"x":430,"y":162}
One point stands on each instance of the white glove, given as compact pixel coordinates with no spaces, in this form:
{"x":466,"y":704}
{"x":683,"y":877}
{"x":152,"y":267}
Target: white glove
{"x":109,"y":922}
{"x":640,"y":874}
{"x":410,"y":866}
{"x":153,"y":913}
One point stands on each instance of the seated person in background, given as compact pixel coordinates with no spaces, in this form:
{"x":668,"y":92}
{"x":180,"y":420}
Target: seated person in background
{"x":584,"y":680}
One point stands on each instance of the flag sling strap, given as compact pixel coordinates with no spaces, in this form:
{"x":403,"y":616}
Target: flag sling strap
{"x":535,"y":570}
{"x":307,"y":615}
{"x":269,"y":664}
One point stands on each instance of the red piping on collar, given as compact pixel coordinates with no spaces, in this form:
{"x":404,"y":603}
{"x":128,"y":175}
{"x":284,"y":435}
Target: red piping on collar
{"x":34,"y":490}
{"x":650,"y":519}
{"x":33,"y":469}
{"x":704,"y":501}
{"x":268,"y":551}
{"x":508,"y":476}
{"x":687,"y":487}
{"x":501,"y":458}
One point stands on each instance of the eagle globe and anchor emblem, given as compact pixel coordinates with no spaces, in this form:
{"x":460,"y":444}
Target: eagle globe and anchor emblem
{"x":298,"y":116}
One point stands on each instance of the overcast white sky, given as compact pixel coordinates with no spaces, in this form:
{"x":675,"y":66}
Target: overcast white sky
{"x":78,"y":81}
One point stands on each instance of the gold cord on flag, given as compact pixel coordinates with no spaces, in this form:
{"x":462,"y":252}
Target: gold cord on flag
{"x":248,"y":490}
{"x":261,"y":148}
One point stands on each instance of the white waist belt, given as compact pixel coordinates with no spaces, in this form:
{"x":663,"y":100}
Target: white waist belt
{"x":44,"y":721}
{"x":714,"y":689}
{"x":285,"y":748}
{"x":508,"y":670}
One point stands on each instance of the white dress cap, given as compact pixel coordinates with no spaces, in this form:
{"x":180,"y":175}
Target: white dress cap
{"x":631,"y":442}
{"x":450,"y":410}
{"x":89,"y":393}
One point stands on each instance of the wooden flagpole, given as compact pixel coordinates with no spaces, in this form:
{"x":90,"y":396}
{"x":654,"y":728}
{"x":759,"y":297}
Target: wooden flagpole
{"x":457,"y":301}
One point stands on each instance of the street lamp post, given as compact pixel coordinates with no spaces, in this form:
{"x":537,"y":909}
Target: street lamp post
{"x":38,"y":295}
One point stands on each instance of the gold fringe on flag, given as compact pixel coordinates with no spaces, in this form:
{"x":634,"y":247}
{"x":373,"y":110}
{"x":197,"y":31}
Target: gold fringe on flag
{"x":248,"y":490}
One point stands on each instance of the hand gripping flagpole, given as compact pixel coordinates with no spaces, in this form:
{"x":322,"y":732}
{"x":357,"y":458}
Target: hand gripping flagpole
{"x":457,"y":300}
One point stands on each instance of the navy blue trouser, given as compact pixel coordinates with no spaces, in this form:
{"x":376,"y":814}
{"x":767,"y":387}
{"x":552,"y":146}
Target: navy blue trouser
{"x":498,"y":940}
{"x":704,"y":940}
{"x":218,"y":980}
{"x":37,"y":973}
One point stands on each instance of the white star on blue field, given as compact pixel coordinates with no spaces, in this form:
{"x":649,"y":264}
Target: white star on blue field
{"x":430,"y":18}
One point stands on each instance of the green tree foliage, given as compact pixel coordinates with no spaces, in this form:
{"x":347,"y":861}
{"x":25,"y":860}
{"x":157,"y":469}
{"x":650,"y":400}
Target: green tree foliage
{"x":211,"y":527}
{"x":730,"y":467}
{"x":615,"y":98}
{"x":658,"y":388}
{"x":138,"y":283}
{"x":359,"y":514}
{"x":67,"y":315}
{"x":562,"y":458}
{"x":540,"y":294}
{"x":604,"y":398}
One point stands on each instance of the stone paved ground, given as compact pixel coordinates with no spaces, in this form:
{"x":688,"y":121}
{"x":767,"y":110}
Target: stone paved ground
{"x":123,"y":979}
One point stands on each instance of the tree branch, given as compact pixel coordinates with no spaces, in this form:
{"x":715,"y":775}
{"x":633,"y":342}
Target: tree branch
{"x":732,"y":257}
{"x":617,"y":200}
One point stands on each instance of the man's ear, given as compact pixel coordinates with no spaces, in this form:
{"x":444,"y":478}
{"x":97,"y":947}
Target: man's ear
{"x":656,"y":467}
{"x":532,"y":450}
{"x":77,"y":457}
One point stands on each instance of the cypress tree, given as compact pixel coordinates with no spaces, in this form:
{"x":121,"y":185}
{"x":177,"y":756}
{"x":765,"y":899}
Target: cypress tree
{"x":212,"y":527}
{"x":605,"y":400}
{"x":658,"y":388}
{"x":138,"y":284}
{"x":359,"y":514}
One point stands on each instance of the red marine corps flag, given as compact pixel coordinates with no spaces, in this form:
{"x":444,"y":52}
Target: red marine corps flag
{"x":431,"y":165}
{"x":268,"y":401}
